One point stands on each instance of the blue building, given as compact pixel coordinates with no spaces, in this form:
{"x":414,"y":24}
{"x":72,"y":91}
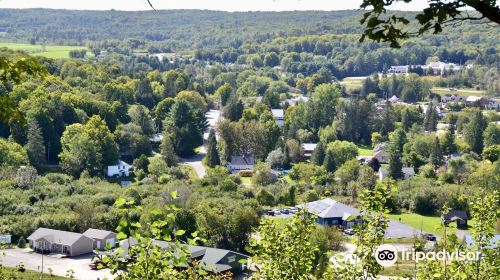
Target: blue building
{"x":332,"y":213}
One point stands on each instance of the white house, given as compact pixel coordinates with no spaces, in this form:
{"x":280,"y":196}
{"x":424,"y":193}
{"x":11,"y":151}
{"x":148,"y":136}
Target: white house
{"x":394,"y":99}
{"x":120,"y":169}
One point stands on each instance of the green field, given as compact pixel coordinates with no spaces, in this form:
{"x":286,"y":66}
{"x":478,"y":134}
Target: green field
{"x":365,"y":151}
{"x":351,"y":83}
{"x":460,"y":92}
{"x":12,"y":273}
{"x":429,"y":224}
{"x":46,"y":51}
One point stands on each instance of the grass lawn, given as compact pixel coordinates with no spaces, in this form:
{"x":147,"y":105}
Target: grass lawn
{"x":461,"y":92}
{"x":12,"y":273}
{"x":365,"y":151}
{"x":48,"y":51}
{"x":246,"y":181}
{"x":429,"y":224}
{"x":351,"y":83}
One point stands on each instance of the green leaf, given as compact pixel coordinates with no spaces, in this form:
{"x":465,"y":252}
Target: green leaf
{"x":180,"y":232}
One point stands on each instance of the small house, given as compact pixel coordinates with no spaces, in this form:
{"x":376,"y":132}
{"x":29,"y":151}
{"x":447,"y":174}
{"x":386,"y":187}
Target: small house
{"x":46,"y":240}
{"x":333,"y":213}
{"x":394,"y":99}
{"x":101,"y":238}
{"x":238,"y":163}
{"x":308,"y":148}
{"x":472,"y":100}
{"x":120,"y":169}
{"x":213,"y":260}
{"x":458,"y":216}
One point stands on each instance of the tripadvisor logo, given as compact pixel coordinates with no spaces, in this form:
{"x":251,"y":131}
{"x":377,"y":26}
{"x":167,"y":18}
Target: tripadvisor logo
{"x":386,"y":255}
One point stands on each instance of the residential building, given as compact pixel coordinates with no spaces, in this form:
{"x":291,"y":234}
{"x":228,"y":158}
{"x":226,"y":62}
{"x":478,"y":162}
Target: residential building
{"x":332,"y":213}
{"x":458,"y":216}
{"x":60,"y":242}
{"x":101,"y":238}
{"x":120,"y":169}
{"x":308,"y":148}
{"x":211,"y":259}
{"x":401,"y":69}
{"x":238,"y":163}
{"x":472,"y":100}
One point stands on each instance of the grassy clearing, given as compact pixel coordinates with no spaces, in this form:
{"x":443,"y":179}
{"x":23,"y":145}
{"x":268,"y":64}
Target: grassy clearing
{"x":351,"y":83}
{"x":246,"y":181}
{"x":429,"y":224}
{"x":40,"y":50}
{"x":365,"y":151}
{"x":12,"y":273}
{"x":461,"y":92}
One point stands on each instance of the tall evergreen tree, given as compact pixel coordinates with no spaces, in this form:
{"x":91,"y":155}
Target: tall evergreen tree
{"x":395,"y":150}
{"x":448,"y":146}
{"x":167,"y":150}
{"x":492,"y":135}
{"x":430,"y":120}
{"x":318,"y":155}
{"x":435,"y":157}
{"x":233,"y":109}
{"x":144,"y":93}
{"x":212,"y":157}
{"x":473,"y":132}
{"x":35,"y":146}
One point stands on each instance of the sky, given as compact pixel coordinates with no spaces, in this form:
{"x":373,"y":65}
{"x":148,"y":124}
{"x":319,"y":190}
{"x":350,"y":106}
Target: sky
{"x":223,"y":5}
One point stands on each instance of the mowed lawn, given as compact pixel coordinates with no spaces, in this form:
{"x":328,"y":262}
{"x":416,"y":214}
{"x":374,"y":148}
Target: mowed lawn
{"x":47,"y":51}
{"x":365,"y":151}
{"x":351,"y":83}
{"x":12,"y":273}
{"x":460,"y":92}
{"x":429,"y":224}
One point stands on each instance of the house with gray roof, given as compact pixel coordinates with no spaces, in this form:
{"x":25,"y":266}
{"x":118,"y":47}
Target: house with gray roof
{"x":211,"y":259}
{"x":46,"y":240}
{"x":333,"y":213}
{"x":238,"y":163}
{"x":101,"y":238}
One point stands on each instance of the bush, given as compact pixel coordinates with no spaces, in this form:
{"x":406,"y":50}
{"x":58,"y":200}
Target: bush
{"x":311,"y":195}
{"x":228,"y":185}
{"x":164,"y":179}
{"x":21,"y":243}
{"x":446,"y":178}
{"x":265,"y":198}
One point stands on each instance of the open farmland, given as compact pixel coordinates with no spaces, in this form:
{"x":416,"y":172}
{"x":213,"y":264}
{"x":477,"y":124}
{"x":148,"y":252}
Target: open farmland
{"x":41,"y":50}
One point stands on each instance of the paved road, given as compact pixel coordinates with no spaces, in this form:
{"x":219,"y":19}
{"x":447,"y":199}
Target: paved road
{"x":59,"y":265}
{"x":213,"y":117}
{"x":196,"y":163}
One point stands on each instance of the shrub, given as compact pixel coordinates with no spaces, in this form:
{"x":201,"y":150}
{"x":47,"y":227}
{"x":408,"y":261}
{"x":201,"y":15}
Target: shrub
{"x":228,"y":185}
{"x":21,"y":243}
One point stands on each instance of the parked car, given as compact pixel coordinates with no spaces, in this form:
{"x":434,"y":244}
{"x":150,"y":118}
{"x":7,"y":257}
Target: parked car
{"x":270,"y":213}
{"x":430,"y":237}
{"x":349,"y":231}
{"x":277,"y":212}
{"x":293,"y":209}
{"x":285,"y":211}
